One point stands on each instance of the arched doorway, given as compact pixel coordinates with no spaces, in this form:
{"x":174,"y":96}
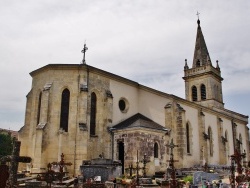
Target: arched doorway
{"x":121,"y":154}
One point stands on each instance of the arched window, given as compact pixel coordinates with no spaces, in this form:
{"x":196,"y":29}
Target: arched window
{"x":203,"y":92}
{"x":93,"y":114}
{"x":39,"y":108}
{"x":65,"y":110}
{"x":210,"y":135}
{"x":194,"y":93}
{"x":188,"y":138}
{"x":156,"y":150}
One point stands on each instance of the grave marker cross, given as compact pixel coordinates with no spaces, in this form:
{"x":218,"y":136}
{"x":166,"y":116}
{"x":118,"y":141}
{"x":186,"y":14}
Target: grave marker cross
{"x":144,"y":161}
{"x":236,"y":158}
{"x":14,"y":159}
{"x":171,"y":163}
{"x":61,"y":164}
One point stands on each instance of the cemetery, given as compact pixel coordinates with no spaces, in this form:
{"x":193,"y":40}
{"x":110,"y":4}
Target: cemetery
{"x":102,"y":172}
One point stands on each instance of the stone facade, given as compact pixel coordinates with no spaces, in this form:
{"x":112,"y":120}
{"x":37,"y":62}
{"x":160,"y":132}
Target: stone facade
{"x":127,"y":117}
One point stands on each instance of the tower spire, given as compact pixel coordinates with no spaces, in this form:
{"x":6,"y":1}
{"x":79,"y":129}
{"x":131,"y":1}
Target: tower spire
{"x":85,"y":48}
{"x":201,"y":55}
{"x":203,"y":81}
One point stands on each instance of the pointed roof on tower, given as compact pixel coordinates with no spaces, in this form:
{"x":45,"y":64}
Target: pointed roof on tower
{"x":201,"y":55}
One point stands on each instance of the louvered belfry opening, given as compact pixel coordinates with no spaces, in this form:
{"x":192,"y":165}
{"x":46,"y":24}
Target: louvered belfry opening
{"x":194,"y":93}
{"x":203,"y":92}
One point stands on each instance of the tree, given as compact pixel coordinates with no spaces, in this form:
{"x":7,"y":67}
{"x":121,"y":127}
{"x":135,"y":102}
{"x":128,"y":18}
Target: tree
{"x":6,"y":144}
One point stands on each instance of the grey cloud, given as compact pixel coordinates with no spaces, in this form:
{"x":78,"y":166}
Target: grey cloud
{"x":122,"y":37}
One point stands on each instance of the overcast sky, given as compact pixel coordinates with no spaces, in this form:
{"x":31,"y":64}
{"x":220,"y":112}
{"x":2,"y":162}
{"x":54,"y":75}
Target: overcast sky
{"x":143,"y":40}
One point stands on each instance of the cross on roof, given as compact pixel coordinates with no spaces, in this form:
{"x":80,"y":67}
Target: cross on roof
{"x":85,"y":48}
{"x":198,"y":15}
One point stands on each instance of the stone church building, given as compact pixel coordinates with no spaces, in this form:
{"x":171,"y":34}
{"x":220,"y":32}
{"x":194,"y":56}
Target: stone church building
{"x":84,"y":112}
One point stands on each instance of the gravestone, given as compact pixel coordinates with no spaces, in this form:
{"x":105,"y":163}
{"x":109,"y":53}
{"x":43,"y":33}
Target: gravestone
{"x":4,"y":175}
{"x":105,"y":168}
{"x":200,"y":176}
{"x":14,"y":159}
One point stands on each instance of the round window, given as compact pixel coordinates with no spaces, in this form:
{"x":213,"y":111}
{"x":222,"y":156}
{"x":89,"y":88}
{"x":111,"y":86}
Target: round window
{"x":123,"y":105}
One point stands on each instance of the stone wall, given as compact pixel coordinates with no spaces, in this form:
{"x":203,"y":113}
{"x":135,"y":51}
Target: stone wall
{"x":143,"y":141}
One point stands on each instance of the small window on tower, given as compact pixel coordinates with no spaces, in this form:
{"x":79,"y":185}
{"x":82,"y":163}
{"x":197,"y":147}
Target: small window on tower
{"x":194,"y":93}
{"x":198,"y":63}
{"x":203,"y":92}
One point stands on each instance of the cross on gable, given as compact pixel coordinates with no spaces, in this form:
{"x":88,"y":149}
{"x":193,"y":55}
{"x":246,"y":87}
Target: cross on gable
{"x":85,"y":48}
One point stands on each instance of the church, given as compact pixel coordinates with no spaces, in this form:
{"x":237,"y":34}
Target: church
{"x":85,"y":112}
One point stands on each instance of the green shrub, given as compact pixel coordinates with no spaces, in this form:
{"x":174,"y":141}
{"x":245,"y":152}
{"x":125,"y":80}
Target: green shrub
{"x":188,"y":178}
{"x":6,"y":144}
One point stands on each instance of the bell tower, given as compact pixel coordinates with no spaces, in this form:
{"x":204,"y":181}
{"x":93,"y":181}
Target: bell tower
{"x":203,"y":82}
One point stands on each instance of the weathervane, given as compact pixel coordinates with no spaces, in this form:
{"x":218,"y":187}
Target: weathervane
{"x":85,"y":48}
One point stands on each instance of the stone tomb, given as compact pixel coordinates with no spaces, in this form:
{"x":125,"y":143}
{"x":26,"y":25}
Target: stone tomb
{"x":200,"y":176}
{"x":101,"y":169}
